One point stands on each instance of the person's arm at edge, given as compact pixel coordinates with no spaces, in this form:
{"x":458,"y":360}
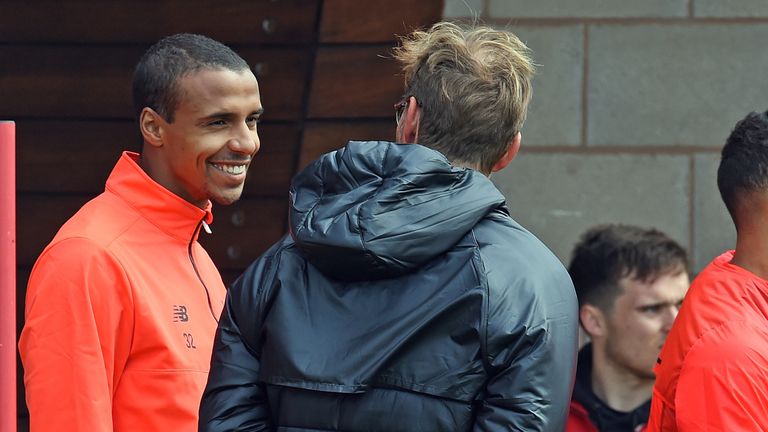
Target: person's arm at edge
{"x":76,"y":338}
{"x":723,"y":382}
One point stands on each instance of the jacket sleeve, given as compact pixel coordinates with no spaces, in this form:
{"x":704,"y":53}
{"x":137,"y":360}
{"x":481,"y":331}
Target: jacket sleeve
{"x":532,"y":348}
{"x":233,"y":398}
{"x":723,"y":383}
{"x":76,"y":338}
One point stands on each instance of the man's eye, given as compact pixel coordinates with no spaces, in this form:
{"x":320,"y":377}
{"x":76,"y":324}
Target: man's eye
{"x":252,"y":121}
{"x":216,"y":123}
{"x":651,"y":309}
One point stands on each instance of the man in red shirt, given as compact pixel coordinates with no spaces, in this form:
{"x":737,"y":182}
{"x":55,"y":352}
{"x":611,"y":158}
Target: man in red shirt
{"x":630,"y":282}
{"x":712,"y":373}
{"x":122,"y":305}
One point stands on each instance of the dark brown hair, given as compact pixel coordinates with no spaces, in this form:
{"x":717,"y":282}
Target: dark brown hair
{"x":606,"y":254}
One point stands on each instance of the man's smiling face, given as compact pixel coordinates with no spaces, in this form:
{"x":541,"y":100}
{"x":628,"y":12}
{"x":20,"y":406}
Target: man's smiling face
{"x":208,"y":146}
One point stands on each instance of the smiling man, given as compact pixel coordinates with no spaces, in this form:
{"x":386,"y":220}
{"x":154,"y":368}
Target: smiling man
{"x":630,"y":282}
{"x":123,"y":304}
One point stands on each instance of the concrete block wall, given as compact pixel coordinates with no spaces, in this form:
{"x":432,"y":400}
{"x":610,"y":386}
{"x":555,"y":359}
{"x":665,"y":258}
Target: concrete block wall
{"x":632,"y":104}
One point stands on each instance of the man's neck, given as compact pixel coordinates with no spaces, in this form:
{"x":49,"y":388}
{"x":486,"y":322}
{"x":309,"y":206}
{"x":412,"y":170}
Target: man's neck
{"x":752,"y":249}
{"x":619,"y":388}
{"x":752,"y":233}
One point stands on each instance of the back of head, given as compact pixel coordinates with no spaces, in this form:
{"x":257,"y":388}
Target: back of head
{"x":744,"y":161}
{"x":157,"y":75}
{"x":606,"y":254}
{"x":473,"y":85}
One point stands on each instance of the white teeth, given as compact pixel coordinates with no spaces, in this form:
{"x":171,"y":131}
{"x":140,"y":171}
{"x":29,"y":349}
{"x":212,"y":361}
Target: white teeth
{"x":231,"y":169}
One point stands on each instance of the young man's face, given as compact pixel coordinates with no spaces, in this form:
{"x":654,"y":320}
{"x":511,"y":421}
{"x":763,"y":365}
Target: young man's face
{"x":640,"y":320}
{"x":207,"y":149}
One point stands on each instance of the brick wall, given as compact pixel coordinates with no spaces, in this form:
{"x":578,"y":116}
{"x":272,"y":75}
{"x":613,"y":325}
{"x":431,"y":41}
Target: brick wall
{"x":632,"y":103}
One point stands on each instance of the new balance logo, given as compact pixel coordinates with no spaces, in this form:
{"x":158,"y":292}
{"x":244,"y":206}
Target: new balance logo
{"x":180,"y":313}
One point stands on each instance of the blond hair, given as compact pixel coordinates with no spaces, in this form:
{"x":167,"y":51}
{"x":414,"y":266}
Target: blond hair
{"x":474,"y":86}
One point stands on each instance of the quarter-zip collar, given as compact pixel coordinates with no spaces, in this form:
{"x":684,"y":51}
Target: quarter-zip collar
{"x":604,"y":417}
{"x":169,"y":212}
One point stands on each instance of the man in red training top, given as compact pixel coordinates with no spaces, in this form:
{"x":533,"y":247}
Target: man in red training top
{"x":712,"y":374}
{"x":123,"y":304}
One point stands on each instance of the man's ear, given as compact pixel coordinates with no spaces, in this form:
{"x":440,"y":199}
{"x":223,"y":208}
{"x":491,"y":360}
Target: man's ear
{"x":151,"y":126}
{"x":506,"y":158}
{"x":593,"y":320}
{"x":409,"y":123}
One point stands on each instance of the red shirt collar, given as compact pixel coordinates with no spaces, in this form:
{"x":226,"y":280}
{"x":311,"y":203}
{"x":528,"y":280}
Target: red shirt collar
{"x":169,"y":212}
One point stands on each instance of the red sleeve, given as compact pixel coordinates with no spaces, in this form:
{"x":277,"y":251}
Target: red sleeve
{"x":76,"y":337}
{"x":723,"y":383}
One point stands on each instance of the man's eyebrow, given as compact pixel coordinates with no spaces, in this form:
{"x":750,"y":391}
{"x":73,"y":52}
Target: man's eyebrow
{"x":220,"y":114}
{"x":228,"y":115}
{"x":645,"y":305}
{"x":660,"y":303}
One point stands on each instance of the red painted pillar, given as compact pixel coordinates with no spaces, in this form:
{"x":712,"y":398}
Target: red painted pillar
{"x":8,"y":276}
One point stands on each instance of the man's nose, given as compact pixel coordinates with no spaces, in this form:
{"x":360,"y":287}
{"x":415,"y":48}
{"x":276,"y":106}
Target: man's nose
{"x":245,"y":140}
{"x":669,"y":317}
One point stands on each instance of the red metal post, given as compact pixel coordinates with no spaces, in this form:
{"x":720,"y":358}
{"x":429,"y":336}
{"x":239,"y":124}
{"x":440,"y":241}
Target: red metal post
{"x":8,"y":412}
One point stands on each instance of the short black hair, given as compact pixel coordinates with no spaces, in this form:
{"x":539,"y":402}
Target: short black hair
{"x":156,"y":76}
{"x":744,"y":160}
{"x":605,"y":254}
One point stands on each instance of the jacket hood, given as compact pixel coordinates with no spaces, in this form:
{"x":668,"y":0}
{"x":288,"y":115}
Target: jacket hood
{"x":376,"y":209}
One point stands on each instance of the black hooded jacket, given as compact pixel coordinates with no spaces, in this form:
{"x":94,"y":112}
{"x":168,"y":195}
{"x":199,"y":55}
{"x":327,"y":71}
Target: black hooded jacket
{"x":404,"y":299}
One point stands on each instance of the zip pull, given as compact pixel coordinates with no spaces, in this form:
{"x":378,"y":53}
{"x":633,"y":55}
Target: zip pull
{"x":207,"y":228}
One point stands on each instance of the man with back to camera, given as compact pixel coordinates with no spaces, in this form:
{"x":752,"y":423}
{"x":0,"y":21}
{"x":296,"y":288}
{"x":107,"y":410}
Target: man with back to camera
{"x":405,"y":296}
{"x":630,"y":282}
{"x":122,"y":305}
{"x":712,"y":373}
